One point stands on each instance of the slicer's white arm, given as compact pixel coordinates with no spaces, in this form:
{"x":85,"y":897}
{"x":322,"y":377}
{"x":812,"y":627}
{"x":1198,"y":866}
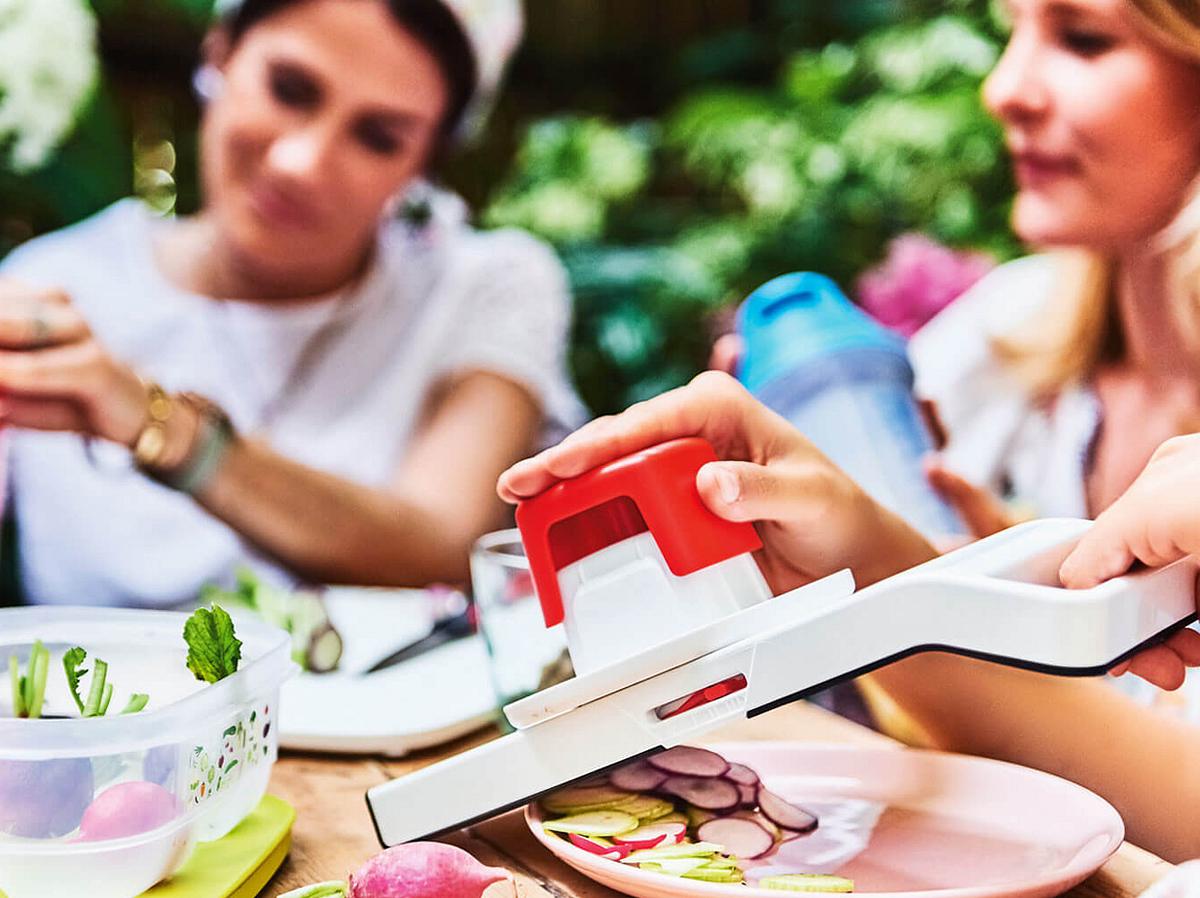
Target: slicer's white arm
{"x":997,"y":599}
{"x":994,"y":599}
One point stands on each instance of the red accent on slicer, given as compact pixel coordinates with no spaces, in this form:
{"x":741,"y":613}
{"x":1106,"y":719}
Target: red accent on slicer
{"x":660,"y":482}
{"x":703,"y":697}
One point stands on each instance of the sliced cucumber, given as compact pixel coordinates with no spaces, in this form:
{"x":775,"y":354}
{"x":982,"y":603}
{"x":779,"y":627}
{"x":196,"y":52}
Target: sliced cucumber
{"x":680,"y":866}
{"x":594,"y":823}
{"x":671,"y":852}
{"x":713,"y":873}
{"x":645,"y":808}
{"x":673,"y":817}
{"x":582,"y":799}
{"x":806,"y":882}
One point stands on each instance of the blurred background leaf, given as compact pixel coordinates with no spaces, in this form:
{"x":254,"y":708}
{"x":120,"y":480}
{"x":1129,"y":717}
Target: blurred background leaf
{"x":675,"y":153}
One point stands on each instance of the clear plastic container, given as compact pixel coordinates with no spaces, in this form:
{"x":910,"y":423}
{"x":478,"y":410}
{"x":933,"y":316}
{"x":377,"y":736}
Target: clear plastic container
{"x":187,"y":769}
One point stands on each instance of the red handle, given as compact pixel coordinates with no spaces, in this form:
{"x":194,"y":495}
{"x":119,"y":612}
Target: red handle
{"x":654,"y":490}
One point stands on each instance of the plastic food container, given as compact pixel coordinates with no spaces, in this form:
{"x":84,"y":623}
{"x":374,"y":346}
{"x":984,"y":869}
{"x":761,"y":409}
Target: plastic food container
{"x":187,"y":769}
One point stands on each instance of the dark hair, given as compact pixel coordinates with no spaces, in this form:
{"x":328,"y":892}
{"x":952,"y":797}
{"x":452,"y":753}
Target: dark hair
{"x":429,"y":21}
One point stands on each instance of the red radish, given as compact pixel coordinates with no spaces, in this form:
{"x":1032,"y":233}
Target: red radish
{"x":741,"y":838}
{"x":652,"y":835}
{"x":748,"y":795}
{"x":128,"y":809}
{"x":639,"y":776}
{"x":785,"y":814}
{"x":688,"y":761}
{"x":742,"y":775}
{"x":755,"y":817}
{"x":706,"y":793}
{"x":423,"y":870}
{"x":613,"y":852}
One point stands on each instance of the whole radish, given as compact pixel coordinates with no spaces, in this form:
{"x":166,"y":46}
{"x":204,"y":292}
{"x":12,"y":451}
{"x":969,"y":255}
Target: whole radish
{"x":423,"y":870}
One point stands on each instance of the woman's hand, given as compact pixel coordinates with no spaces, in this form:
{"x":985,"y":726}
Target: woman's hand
{"x":1156,"y":521}
{"x":54,"y":375}
{"x":813,"y":519}
{"x":982,"y":512}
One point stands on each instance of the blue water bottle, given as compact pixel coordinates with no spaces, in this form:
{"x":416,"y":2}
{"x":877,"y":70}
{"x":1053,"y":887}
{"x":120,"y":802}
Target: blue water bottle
{"x":845,"y":382}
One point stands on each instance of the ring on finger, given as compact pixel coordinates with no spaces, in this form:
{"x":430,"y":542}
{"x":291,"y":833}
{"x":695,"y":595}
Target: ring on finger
{"x":40,"y":328}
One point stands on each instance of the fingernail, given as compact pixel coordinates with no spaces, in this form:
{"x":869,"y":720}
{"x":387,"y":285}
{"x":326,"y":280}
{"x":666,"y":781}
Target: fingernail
{"x":727,"y":485}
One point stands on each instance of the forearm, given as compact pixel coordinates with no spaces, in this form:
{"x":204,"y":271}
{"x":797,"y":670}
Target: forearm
{"x":332,"y":530}
{"x":1145,"y":763}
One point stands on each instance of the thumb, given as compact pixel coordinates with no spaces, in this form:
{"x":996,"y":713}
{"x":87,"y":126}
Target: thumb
{"x":744,"y":491}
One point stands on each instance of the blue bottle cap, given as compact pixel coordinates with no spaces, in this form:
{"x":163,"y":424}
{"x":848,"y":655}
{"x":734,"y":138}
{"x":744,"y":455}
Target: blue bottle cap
{"x":799,"y":317}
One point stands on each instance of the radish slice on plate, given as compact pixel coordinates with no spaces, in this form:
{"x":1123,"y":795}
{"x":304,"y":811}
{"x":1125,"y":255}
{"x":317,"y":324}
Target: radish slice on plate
{"x":639,"y":776}
{"x":742,"y":775}
{"x":748,"y":796}
{"x":652,"y":836}
{"x":784,"y":814}
{"x":594,"y":846}
{"x":777,"y":834}
{"x":741,"y":838}
{"x":685,"y":760}
{"x":707,"y":793}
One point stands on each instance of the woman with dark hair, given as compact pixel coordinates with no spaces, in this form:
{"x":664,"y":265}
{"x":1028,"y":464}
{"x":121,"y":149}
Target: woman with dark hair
{"x":294,"y":373}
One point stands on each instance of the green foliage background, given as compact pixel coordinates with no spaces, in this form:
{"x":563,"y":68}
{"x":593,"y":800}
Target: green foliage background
{"x":673,"y":173}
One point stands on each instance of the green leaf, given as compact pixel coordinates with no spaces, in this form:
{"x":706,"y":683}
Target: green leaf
{"x":71,"y":664}
{"x":214,"y":650}
{"x":137,"y":702}
{"x":93,"y":707}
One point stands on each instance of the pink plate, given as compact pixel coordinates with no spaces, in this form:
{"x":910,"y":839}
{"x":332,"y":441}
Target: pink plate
{"x":905,"y":824}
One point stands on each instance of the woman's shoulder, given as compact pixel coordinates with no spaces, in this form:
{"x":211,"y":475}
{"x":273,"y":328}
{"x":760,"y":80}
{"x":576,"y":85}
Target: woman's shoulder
{"x":960,"y":343}
{"x":88,"y":246}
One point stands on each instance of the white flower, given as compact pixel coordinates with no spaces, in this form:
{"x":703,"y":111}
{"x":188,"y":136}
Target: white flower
{"x":48,"y":68}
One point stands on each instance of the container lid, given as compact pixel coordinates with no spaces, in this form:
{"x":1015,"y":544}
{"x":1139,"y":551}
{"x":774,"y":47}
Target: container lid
{"x":799,"y":317}
{"x":652,"y":490}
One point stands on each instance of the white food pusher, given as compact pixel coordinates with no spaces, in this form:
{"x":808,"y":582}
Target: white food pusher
{"x":673,"y":632}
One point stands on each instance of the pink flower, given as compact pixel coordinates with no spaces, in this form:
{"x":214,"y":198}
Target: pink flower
{"x":918,"y":279}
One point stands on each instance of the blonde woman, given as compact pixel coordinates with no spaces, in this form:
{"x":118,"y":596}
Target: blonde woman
{"x":1058,"y":375}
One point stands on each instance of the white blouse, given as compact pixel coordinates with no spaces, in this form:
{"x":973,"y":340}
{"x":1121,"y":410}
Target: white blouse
{"x":337,"y":384}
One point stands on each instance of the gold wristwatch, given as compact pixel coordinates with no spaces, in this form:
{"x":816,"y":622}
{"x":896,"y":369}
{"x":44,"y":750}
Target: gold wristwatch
{"x":150,"y":444}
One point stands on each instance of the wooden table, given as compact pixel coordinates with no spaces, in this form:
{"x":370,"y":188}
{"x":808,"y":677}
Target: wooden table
{"x":334,"y":835}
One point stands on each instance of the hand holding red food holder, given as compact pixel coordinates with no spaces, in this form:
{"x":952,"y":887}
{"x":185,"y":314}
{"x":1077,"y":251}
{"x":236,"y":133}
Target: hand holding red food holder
{"x":627,"y":556}
{"x":669,"y":627}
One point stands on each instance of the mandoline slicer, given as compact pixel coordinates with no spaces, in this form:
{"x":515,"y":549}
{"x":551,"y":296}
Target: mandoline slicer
{"x":673,"y":632}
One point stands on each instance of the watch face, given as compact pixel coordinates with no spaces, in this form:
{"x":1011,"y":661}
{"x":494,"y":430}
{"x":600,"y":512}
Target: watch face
{"x":150,"y":444}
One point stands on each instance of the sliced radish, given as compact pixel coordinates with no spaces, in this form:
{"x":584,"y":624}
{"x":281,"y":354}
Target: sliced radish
{"x":785,"y":814}
{"x":742,"y":775}
{"x":638,"y":777}
{"x":706,"y":793}
{"x":685,"y":760}
{"x":741,"y":838}
{"x":652,"y":836}
{"x":755,"y":817}
{"x":748,"y":796}
{"x":596,"y":846}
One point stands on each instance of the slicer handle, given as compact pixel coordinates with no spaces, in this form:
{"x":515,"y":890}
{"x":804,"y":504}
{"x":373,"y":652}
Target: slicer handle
{"x":997,"y":599}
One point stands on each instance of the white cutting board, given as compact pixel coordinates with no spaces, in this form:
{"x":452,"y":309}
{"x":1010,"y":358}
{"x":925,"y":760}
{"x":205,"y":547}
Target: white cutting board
{"x":430,"y":699}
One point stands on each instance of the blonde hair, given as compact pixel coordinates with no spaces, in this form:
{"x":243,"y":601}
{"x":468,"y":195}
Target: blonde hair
{"x":1081,"y":329}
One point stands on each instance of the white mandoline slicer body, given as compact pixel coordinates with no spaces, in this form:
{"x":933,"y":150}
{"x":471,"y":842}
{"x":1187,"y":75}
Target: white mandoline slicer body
{"x":994,"y":599}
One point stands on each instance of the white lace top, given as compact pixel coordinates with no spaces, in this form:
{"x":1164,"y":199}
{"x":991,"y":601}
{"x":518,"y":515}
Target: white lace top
{"x":337,"y":384}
